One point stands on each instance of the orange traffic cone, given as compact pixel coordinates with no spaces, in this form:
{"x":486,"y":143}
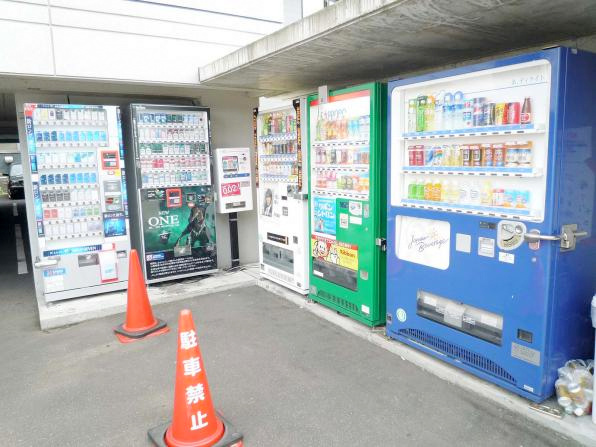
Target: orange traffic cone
{"x":140,"y":322}
{"x":195,"y":422}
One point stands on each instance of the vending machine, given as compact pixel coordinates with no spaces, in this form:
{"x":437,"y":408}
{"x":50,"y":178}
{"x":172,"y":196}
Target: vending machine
{"x":170,"y":190}
{"x":491,"y":216}
{"x":282,"y":195}
{"x":347,"y":201}
{"x":75,"y":190}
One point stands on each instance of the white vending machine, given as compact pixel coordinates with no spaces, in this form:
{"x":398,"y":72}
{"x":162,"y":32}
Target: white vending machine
{"x":282,"y":194}
{"x":75,"y":189}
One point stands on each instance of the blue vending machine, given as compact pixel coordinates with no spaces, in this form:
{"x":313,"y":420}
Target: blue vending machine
{"x":490,"y":237}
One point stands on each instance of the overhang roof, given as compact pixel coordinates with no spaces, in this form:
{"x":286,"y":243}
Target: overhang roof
{"x":361,"y":40}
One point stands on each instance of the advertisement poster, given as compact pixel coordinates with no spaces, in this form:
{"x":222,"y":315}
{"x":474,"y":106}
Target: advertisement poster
{"x":335,"y":261}
{"x":324,"y":215}
{"x":423,"y":241}
{"x":178,"y":230}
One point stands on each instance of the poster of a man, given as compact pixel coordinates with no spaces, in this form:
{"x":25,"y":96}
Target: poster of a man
{"x":268,"y":203}
{"x":196,"y":229}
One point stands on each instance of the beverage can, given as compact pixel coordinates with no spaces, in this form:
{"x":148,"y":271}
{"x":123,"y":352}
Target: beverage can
{"x":513,"y":113}
{"x":509,"y":196}
{"x":466,"y":158}
{"x":498,"y":196}
{"x":498,"y":155}
{"x":478,"y":112}
{"x":475,"y":154}
{"x":487,"y":155}
{"x":526,"y":112}
{"x":419,"y":155}
{"x":489,"y":114}
{"x":468,"y":113}
{"x":500,"y":114}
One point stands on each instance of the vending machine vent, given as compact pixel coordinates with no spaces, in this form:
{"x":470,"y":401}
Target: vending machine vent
{"x":457,"y":352}
{"x":339,"y":301}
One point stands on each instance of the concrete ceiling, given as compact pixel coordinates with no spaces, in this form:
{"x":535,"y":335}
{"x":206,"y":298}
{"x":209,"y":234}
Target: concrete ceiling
{"x":362,"y":40}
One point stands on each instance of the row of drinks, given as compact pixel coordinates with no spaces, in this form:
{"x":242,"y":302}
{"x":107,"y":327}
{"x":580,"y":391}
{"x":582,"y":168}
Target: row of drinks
{"x":278,"y":122}
{"x":174,"y":162}
{"x":68,"y":195}
{"x":278,"y":168}
{"x":349,"y":182}
{"x":357,"y":155}
{"x":173,"y":148}
{"x":71,"y":212}
{"x":279,"y":148}
{"x":180,"y":178}
{"x":46,"y":160}
{"x":73,"y":230}
{"x":167,"y":134}
{"x":73,"y":178}
{"x":190,"y":119}
{"x":75,"y":195}
{"x":511,"y":154}
{"x":71,"y":136}
{"x":449,"y":111}
{"x":337,"y":125}
{"x":466,"y":192}
{"x":68,"y":116}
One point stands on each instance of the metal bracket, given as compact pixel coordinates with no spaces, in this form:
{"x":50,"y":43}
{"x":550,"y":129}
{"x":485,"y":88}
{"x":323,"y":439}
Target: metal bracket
{"x":382,"y":243}
{"x":323,"y":94}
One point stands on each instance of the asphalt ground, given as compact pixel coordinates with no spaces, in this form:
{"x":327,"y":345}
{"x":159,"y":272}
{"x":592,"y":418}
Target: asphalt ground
{"x":280,"y":374}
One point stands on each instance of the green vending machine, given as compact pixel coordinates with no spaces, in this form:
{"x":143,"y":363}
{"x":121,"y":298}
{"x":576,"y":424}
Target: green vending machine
{"x":347,"y":182}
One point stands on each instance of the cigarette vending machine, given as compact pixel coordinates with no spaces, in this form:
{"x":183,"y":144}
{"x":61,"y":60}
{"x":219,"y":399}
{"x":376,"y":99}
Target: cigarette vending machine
{"x":170,"y":189}
{"x":347,"y":201}
{"x":75,"y":190}
{"x":282,"y":196}
{"x":491,"y":249}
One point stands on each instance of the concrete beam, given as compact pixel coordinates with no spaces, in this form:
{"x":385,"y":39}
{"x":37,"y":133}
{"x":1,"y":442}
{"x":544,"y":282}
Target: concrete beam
{"x":360,"y":40}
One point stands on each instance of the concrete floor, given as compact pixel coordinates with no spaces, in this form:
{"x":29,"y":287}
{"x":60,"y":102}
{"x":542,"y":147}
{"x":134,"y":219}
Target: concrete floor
{"x":283,"y":376}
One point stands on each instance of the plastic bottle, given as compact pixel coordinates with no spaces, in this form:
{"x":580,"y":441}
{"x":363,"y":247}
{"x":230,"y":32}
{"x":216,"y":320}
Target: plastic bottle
{"x":411,"y":115}
{"x":420,"y":190}
{"x":437,"y":190}
{"x":412,"y":190}
{"x":438,"y":116}
{"x":486,"y":197}
{"x":464,"y":193}
{"x":475,"y":194}
{"x":428,"y":189}
{"x":458,"y":110}
{"x":446,"y":191}
{"x":448,"y":109}
{"x":429,"y":114}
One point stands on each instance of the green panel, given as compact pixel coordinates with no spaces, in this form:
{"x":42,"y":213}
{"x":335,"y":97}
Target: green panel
{"x":351,"y":280}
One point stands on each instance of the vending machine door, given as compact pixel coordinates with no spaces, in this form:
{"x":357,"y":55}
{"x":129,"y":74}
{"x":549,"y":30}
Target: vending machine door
{"x":282,"y":195}
{"x":347,"y":202}
{"x":172,"y":204}
{"x":474,"y":170}
{"x":76,"y":199}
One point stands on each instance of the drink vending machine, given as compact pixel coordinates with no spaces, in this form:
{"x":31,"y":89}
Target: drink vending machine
{"x":75,"y":189}
{"x":347,"y":201}
{"x":170,"y":189}
{"x":282,"y":195}
{"x":491,"y":250}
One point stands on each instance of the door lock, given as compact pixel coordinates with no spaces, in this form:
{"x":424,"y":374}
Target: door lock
{"x":568,"y":237}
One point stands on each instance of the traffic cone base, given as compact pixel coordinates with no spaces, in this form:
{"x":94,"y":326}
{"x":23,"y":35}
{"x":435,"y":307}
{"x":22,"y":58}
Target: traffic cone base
{"x":231,"y":437}
{"x":125,"y":336}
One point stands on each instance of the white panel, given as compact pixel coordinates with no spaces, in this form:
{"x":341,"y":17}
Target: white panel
{"x":25,"y":48}
{"x":165,"y":13}
{"x":151,"y":27}
{"x":96,"y":54}
{"x":24,"y":12}
{"x":261,"y":9}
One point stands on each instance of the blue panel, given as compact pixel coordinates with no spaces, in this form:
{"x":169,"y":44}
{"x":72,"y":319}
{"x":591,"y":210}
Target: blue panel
{"x":545,"y":292}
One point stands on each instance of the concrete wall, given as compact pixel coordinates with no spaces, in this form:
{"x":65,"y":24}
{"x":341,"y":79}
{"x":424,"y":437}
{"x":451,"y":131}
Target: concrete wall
{"x":231,"y":121}
{"x":128,"y":40}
